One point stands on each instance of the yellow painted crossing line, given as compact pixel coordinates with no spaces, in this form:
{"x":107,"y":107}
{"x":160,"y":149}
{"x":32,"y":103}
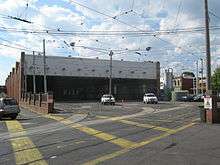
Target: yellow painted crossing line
{"x":24,"y":149}
{"x":99,"y":134}
{"x":140,"y":124}
{"x":138,"y":145}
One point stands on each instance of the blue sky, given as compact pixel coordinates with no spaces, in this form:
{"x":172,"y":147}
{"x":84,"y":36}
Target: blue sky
{"x":179,"y":51}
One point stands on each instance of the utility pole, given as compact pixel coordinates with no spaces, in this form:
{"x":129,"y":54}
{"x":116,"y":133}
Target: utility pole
{"x":208,"y":54}
{"x":34,"y":67}
{"x":110,"y":75}
{"x":44,"y":58}
{"x":202,"y":76}
{"x":197,"y":77}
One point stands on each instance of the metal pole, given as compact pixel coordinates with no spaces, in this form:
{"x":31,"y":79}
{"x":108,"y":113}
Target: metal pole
{"x":202,"y":76}
{"x":34,"y":67}
{"x":197,"y":77}
{"x":208,"y":54}
{"x":110,"y":75}
{"x":44,"y":58}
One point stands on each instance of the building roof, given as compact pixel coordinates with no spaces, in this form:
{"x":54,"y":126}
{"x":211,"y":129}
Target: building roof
{"x":84,"y":67}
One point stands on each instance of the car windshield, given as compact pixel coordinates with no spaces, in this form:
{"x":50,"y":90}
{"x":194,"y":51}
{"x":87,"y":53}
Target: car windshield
{"x":150,"y":95}
{"x":10,"y":102}
{"x":108,"y":96}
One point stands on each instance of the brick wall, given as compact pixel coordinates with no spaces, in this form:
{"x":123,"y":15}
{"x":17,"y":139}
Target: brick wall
{"x":40,"y":103}
{"x":13,"y":82}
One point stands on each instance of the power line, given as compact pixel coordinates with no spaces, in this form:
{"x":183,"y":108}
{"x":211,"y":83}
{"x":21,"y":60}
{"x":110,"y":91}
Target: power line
{"x":106,"y":15}
{"x":213,"y":14}
{"x":122,"y":21}
{"x":110,"y":33}
{"x":177,"y":16}
{"x":13,"y":47}
{"x":14,"y":43}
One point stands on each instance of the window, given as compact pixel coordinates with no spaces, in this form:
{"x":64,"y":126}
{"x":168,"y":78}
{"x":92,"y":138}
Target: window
{"x":10,"y":102}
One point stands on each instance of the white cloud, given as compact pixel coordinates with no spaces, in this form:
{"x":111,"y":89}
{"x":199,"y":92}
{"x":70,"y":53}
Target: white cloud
{"x":11,"y":5}
{"x":147,"y":15}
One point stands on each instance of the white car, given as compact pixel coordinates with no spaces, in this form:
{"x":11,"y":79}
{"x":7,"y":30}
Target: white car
{"x":108,"y":99}
{"x":150,"y":98}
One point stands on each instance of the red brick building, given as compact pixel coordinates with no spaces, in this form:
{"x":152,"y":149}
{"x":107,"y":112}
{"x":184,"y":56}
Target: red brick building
{"x":185,"y":82}
{"x":13,"y":82}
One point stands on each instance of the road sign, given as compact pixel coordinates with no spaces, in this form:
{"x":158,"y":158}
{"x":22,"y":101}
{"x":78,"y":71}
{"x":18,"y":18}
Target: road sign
{"x":208,"y":102}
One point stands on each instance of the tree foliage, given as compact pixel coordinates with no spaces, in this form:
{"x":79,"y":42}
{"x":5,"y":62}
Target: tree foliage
{"x":216,"y":80}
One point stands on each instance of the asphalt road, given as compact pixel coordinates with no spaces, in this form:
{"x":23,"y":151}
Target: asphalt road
{"x":91,"y":133}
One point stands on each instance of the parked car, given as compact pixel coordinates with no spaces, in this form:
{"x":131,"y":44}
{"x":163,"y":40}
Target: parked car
{"x":150,"y":98}
{"x":108,"y":99}
{"x":188,"y":98}
{"x":199,"y":97}
{"x":9,"y":108}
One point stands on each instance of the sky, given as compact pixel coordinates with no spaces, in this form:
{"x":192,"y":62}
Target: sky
{"x":70,"y":28}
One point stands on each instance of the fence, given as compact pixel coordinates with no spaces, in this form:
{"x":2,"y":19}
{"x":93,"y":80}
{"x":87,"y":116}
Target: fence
{"x":41,"y":102}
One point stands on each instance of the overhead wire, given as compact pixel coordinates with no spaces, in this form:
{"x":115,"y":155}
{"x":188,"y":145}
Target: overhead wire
{"x":213,"y":14}
{"x":94,"y":10}
{"x":178,"y":13}
{"x":18,"y":48}
{"x":66,"y":33}
{"x":109,"y":33}
{"x":12,"y":43}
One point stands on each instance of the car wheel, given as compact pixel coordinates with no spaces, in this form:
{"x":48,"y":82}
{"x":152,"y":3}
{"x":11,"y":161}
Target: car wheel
{"x":14,"y":116}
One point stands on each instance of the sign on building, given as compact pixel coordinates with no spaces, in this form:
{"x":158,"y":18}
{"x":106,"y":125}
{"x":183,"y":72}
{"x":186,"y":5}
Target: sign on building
{"x":207,"y":102}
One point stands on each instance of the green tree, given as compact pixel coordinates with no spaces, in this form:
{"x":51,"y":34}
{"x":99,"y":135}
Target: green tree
{"x":216,"y":80}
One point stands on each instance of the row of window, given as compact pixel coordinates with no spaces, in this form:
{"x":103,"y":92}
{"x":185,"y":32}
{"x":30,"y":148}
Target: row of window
{"x":177,"y":83}
{"x":93,"y":70}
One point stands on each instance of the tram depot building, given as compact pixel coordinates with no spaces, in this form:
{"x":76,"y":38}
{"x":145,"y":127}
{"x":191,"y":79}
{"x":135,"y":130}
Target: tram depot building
{"x":75,"y":79}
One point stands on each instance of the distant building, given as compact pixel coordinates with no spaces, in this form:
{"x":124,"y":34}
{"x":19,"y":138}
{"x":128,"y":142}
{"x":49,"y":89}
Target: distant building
{"x":185,"y":82}
{"x":168,"y":81}
{"x":202,"y":85}
{"x":84,"y":79}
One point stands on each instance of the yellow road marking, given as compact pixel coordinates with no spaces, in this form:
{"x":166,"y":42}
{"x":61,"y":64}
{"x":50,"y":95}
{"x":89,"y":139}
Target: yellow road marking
{"x":24,"y":149}
{"x":143,"y":143}
{"x":99,"y":134}
{"x":140,"y":125}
